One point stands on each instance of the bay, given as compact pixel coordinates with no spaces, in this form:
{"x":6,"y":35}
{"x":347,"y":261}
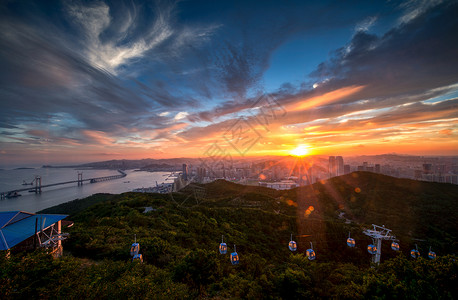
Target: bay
{"x":31,"y":202}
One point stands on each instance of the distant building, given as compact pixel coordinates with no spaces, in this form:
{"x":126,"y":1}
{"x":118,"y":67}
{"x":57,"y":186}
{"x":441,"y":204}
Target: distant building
{"x":310,"y":175}
{"x":347,"y":169}
{"x":441,"y":169}
{"x":184,"y":176}
{"x":340,"y":165}
{"x":377,"y":168}
{"x":201,"y":173}
{"x":451,"y":178}
{"x":332,"y":166}
{"x":427,"y":168}
{"x":280,"y":185}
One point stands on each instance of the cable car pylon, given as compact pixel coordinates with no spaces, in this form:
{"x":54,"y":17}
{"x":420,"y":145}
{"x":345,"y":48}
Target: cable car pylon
{"x":379,"y":233}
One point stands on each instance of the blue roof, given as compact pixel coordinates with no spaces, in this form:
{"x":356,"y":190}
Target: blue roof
{"x":10,"y":217}
{"x":17,"y":226}
{"x":5,"y":217}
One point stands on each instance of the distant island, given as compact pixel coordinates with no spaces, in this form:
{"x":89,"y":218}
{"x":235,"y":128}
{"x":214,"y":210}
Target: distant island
{"x":57,"y":167}
{"x":149,"y":164}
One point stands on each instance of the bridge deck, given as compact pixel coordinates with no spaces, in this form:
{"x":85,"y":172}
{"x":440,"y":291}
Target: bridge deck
{"x":91,"y":180}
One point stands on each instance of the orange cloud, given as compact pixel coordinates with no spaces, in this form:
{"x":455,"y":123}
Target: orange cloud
{"x":99,"y":137}
{"x":446,"y":132}
{"x":327,"y":98}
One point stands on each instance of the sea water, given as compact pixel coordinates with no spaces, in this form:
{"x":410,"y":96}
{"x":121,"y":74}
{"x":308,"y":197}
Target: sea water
{"x":31,"y":202}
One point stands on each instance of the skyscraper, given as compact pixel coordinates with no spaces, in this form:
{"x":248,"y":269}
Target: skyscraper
{"x":340,"y":165}
{"x":377,"y":168}
{"x":332,"y":166}
{"x":185,"y":172}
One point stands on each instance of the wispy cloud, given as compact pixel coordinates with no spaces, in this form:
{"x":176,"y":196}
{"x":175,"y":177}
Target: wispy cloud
{"x":415,"y":8}
{"x":366,"y":24}
{"x":113,"y":39}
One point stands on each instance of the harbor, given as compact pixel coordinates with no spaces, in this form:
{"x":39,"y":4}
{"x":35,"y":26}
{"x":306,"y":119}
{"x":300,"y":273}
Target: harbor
{"x":163,"y":188}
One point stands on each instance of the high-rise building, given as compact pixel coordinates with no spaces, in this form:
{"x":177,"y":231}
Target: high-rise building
{"x":332,"y":166}
{"x":441,"y":169}
{"x":347,"y":169}
{"x":309,"y":176}
{"x":427,"y":168}
{"x":340,"y":165}
{"x":201,"y":173}
{"x":377,"y":168}
{"x":185,"y":172}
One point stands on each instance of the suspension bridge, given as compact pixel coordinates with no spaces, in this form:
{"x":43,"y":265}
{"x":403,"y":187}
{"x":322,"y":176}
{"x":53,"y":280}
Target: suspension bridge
{"x":38,"y":186}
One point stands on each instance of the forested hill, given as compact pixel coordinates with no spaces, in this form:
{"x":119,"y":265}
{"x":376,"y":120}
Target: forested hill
{"x":180,"y":234}
{"x":422,"y":213}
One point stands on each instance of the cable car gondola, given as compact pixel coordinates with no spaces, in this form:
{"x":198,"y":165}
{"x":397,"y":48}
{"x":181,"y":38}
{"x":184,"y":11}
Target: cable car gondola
{"x":372,"y":249}
{"x":395,"y":246}
{"x":234,"y":257}
{"x":222,"y":246}
{"x":310,"y":253}
{"x":292,"y":244}
{"x":431,"y":254}
{"x":137,"y":257}
{"x":135,"y":248}
{"x":414,"y":252}
{"x":350,"y":241}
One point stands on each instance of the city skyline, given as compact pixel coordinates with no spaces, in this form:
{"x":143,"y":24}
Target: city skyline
{"x":96,"y":81}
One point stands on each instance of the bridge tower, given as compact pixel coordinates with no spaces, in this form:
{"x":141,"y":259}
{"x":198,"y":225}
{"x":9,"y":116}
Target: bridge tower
{"x":379,"y":233}
{"x":37,"y":184}
{"x":80,"y":178}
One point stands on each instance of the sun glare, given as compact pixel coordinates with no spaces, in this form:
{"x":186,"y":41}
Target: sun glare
{"x":300,"y":150}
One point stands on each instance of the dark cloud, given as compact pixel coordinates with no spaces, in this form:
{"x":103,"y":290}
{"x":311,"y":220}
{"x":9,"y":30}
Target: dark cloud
{"x":252,"y":35}
{"x":395,"y":69}
{"x":160,"y":92}
{"x":414,"y":57}
{"x":45,"y":78}
{"x":46,"y":73}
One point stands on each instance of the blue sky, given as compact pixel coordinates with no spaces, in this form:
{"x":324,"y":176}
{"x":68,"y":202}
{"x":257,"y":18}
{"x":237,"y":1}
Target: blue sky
{"x":96,"y":80}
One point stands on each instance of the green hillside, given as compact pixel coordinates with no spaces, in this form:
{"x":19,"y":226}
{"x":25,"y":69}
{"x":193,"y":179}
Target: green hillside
{"x":179,"y":239}
{"x":421,"y":213}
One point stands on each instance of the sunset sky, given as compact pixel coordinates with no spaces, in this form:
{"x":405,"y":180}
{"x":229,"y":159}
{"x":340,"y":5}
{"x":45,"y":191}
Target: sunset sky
{"x":84,"y":81}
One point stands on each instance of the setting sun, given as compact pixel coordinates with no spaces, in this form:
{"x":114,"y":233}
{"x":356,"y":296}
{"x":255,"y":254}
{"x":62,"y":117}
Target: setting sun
{"x":300,"y":150}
